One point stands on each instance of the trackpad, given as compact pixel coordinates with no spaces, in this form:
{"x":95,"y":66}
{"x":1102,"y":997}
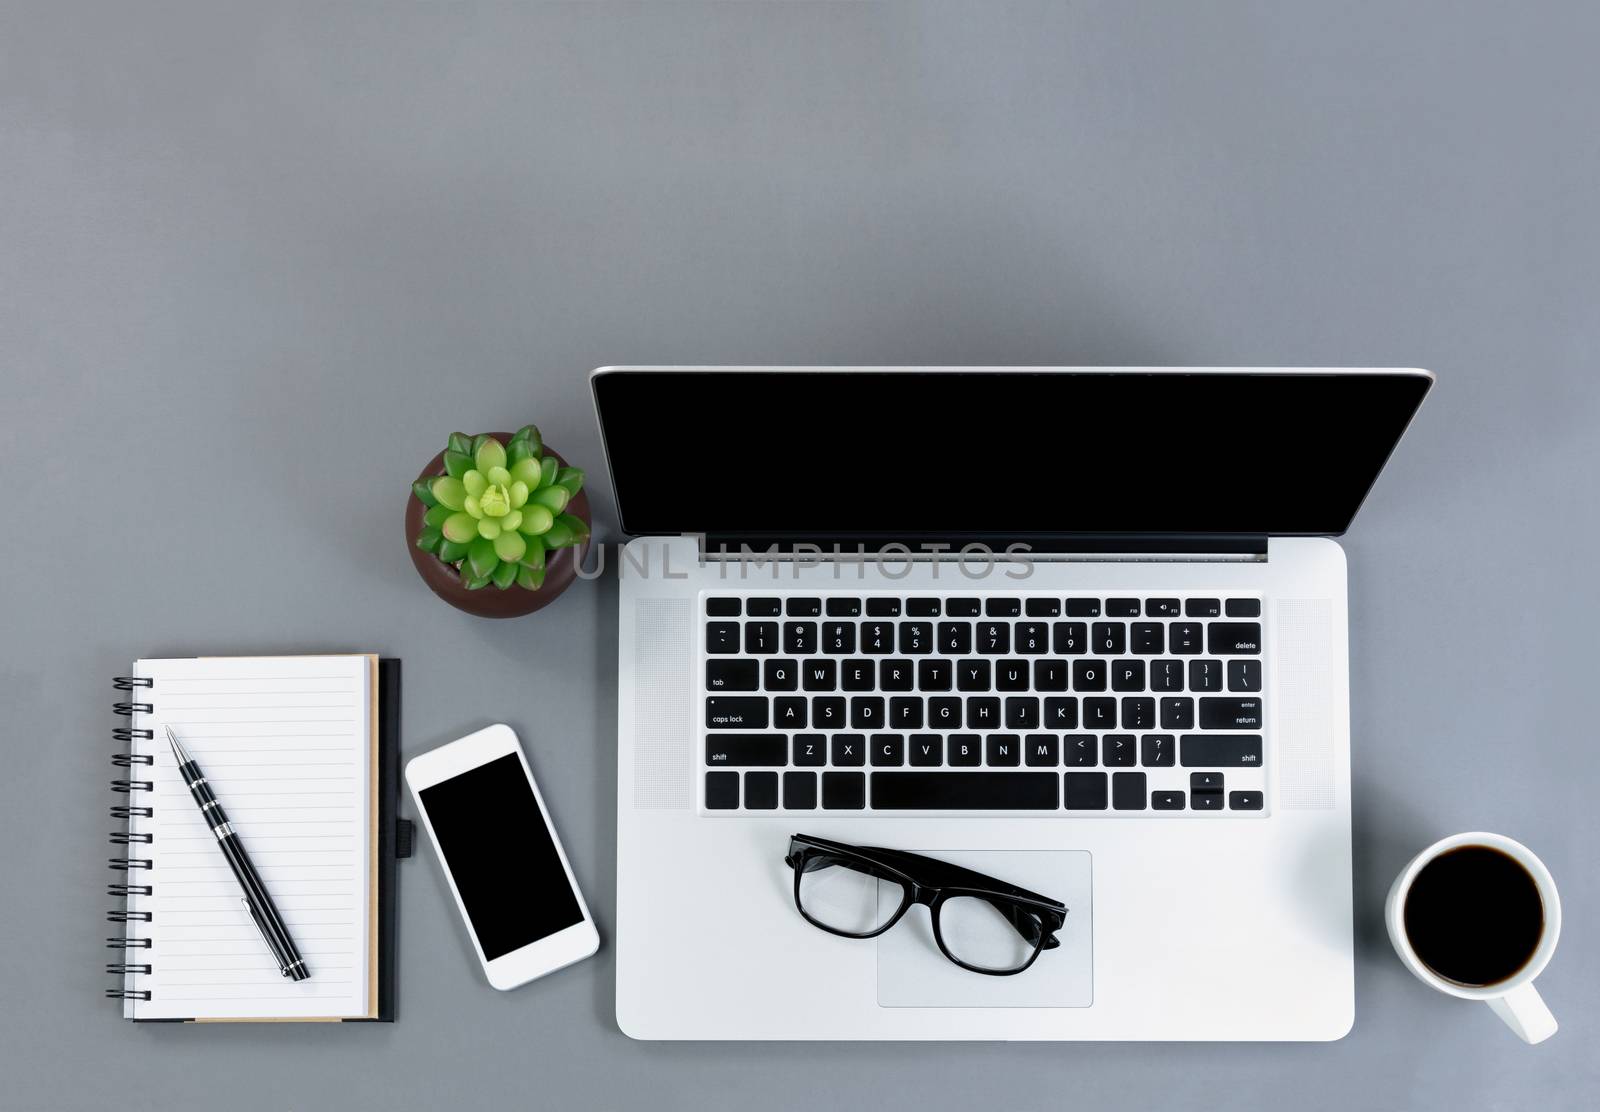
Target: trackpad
{"x":913,"y":973}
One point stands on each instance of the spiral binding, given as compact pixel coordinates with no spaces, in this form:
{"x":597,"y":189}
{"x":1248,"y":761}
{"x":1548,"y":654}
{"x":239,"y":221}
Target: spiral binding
{"x":126,"y":812}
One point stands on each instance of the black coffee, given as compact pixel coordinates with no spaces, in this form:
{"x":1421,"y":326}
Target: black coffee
{"x":1474,"y":916}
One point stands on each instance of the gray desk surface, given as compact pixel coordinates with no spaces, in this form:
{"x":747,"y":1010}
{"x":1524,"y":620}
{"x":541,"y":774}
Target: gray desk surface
{"x":256,"y":262}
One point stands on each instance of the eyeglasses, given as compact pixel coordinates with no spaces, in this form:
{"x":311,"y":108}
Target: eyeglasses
{"x":980,"y":923}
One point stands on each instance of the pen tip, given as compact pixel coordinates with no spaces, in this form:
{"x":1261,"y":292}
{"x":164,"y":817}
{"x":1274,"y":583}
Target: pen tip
{"x":177,"y":746}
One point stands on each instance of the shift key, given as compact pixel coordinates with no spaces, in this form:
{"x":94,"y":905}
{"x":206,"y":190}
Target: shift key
{"x":747,"y":749}
{"x":736,"y":712}
{"x":1220,"y":750}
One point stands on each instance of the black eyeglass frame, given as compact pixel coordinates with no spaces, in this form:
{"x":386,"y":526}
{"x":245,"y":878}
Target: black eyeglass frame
{"x":930,"y":882}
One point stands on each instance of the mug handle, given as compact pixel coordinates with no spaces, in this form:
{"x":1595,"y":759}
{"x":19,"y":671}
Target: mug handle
{"x":1524,"y":1011}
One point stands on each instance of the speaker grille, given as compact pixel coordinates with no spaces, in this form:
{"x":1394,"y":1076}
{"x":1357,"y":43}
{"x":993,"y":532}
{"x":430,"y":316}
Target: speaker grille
{"x":1305,"y":711}
{"x":663,"y":649}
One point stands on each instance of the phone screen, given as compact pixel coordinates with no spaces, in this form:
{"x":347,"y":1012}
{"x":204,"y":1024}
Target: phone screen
{"x":498,"y":849}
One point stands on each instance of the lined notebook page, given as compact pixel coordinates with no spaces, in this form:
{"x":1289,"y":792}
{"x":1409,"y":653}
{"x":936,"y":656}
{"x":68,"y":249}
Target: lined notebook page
{"x":287,"y":744}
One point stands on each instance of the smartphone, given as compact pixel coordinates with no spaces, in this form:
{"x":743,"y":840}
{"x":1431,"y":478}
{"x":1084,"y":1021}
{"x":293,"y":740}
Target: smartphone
{"x":502,"y":858}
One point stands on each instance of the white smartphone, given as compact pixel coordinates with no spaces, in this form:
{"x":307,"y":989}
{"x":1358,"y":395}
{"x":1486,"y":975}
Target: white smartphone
{"x":502,"y":858}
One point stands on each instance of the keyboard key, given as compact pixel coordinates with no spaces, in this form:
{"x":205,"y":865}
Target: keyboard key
{"x":1220,"y":750}
{"x":731,"y":675}
{"x":972,"y":675}
{"x":799,"y":791}
{"x":962,"y":607}
{"x":1003,"y":749}
{"x":820,"y":675}
{"x":1089,"y":675}
{"x":895,"y":675}
{"x":1166,"y":675}
{"x":1109,"y":637}
{"x":1186,"y":638}
{"x":1246,"y":801}
{"x":844,"y":791}
{"x":1022,"y":713}
{"x":736,"y":712}
{"x":722,"y":607}
{"x":858,"y":675}
{"x":1011,"y":675}
{"x":1244,"y":608}
{"x":1127,"y":675}
{"x":1158,"y":750}
{"x":762,"y":607}
{"x":843,"y":607}
{"x":1128,"y":791}
{"x":1042,"y":750}
{"x":1081,"y":750}
{"x":722,"y":638}
{"x":722,"y":791}
{"x":1162,"y":608}
{"x":804,"y":608}
{"x":922,"y":607}
{"x":1205,"y":781}
{"x":1138,"y":713}
{"x":1244,"y":675}
{"x":1122,"y":607}
{"x":1040,"y":607}
{"x":906,"y":713}
{"x":955,"y":638}
{"x":1049,"y":675}
{"x":934,"y":675}
{"x":877,"y":637}
{"x":1166,"y":801}
{"x":888,"y":750}
{"x":800,"y":638}
{"x":916,"y":638}
{"x":1205,"y":801}
{"x":827,"y":712}
{"x":789,"y":712}
{"x":838,"y":638}
{"x":1177,"y":713}
{"x":779,"y":674}
{"x":965,"y":791}
{"x":1071,"y":638}
{"x":1033,"y":638}
{"x":747,"y":749}
{"x":927,"y":750}
{"x":866,"y":712}
{"x":994,"y":638}
{"x":1234,"y":638}
{"x":1003,"y":607}
{"x":1099,"y":714}
{"x":849,"y":749}
{"x":1205,"y":675}
{"x":944,"y":712}
{"x":1202,"y":608}
{"x":810,"y":749}
{"x":1086,"y":791}
{"x":761,"y":638}
{"x":1149,"y":638}
{"x":1117,"y":749}
{"x":879,"y":607}
{"x":760,"y":791}
{"x":963,"y":750}
{"x":1083,"y":608}
{"x":1230,"y":714}
{"x":1061,"y":713}
{"x":983,"y":713}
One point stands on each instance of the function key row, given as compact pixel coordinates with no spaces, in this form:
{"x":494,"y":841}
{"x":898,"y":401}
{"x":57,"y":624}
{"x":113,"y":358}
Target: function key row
{"x":879,"y":606}
{"x":991,"y":638}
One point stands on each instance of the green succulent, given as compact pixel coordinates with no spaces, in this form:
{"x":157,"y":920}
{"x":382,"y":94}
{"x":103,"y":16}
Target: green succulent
{"x":498,"y":509}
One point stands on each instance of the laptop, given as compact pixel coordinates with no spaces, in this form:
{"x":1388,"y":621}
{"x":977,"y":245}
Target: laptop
{"x":1082,"y":630}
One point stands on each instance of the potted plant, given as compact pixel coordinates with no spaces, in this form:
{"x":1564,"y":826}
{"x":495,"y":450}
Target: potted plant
{"x":497,"y":524}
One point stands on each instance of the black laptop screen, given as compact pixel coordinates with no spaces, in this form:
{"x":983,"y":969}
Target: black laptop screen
{"x":997,"y":453}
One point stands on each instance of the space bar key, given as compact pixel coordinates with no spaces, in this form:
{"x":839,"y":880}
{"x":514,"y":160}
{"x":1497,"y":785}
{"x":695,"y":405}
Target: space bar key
{"x":966,"y":791}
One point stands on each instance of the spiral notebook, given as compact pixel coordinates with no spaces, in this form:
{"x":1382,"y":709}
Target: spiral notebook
{"x":301,"y":751}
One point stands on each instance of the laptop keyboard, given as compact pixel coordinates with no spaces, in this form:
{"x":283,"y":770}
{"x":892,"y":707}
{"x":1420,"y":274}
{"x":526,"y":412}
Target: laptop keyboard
{"x":1092,"y":704}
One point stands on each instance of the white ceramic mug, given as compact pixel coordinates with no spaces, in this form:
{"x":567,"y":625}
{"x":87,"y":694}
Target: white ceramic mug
{"x":1514,"y":1000}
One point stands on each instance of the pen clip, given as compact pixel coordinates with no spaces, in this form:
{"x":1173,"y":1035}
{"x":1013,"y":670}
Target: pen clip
{"x":283,"y":970}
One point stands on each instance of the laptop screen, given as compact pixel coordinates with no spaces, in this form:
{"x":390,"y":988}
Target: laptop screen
{"x":997,"y":453}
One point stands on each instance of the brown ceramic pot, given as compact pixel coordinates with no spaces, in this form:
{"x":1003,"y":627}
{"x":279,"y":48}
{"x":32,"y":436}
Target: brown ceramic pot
{"x":560,"y":569}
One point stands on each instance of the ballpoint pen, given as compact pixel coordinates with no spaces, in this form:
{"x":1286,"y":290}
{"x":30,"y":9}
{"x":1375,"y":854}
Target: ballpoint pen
{"x":256,"y":900}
